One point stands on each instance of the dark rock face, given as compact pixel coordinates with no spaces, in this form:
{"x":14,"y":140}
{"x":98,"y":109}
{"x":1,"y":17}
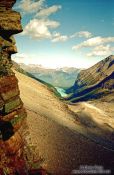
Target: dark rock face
{"x":6,"y":4}
{"x":12,"y":112}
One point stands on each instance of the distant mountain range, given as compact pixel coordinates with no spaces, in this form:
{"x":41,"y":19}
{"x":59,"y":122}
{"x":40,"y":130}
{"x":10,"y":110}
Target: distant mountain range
{"x":94,"y":82}
{"x":62,"y":77}
{"x":18,"y":68}
{"x":79,"y":85}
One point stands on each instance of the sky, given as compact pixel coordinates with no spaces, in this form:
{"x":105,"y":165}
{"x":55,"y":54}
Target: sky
{"x":65,"y":33}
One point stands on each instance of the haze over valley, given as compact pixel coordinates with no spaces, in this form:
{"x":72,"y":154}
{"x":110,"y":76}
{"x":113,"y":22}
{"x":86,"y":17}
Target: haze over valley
{"x":61,"y":77}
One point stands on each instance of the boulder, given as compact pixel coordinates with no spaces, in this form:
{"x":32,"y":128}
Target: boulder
{"x":8,"y":83}
{"x":11,"y":49}
{"x":10,"y":23}
{"x":7,"y":46}
{"x":6,"y":4}
{"x":10,"y":93}
{"x":12,"y":115}
{"x":12,"y":105}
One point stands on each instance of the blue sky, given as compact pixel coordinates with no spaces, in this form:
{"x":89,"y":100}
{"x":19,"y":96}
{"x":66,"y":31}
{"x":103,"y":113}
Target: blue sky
{"x":59,"y":33}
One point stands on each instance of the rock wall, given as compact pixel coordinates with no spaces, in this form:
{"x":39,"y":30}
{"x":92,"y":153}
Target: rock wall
{"x":12,"y":112}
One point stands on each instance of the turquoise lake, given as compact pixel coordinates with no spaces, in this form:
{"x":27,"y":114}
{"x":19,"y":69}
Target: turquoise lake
{"x":61,"y":91}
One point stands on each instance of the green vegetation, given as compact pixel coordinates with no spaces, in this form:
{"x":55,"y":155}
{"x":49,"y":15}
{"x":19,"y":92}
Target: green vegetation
{"x":12,"y":105}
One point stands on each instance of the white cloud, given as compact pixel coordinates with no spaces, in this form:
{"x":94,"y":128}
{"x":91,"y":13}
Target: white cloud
{"x":30,"y":6}
{"x":94,"y":42}
{"x":39,"y":28}
{"x":101,"y":50}
{"x":21,"y":58}
{"x":57,"y":37}
{"x":48,"y":11}
{"x":81,"y":34}
{"x":51,"y":60}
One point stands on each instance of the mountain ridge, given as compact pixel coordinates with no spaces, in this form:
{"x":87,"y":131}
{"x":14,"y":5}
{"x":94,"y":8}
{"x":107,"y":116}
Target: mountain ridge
{"x":93,"y":82}
{"x":60,"y":77}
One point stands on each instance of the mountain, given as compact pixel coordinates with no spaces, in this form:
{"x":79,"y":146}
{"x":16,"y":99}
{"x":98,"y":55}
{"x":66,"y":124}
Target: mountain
{"x":18,"y":68}
{"x":94,"y":82}
{"x":62,"y":77}
{"x":67,"y":136}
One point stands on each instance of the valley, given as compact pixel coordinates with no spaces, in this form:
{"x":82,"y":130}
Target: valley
{"x":60,"y":77}
{"x":63,"y":132}
{"x":57,"y":92}
{"x":93,"y":83}
{"x":61,"y":91}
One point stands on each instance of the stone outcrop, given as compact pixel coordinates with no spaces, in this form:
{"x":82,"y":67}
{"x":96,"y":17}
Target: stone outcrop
{"x":6,"y":4}
{"x":12,"y":112}
{"x":9,"y":23}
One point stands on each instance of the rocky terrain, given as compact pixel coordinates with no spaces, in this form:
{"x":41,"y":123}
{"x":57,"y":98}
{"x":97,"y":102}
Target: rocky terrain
{"x":67,"y":136}
{"x":12,"y":112}
{"x":94,"y":82}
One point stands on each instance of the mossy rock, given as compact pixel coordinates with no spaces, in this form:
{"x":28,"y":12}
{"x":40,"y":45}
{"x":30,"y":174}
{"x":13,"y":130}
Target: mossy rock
{"x":12,"y":105}
{"x":11,"y":116}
